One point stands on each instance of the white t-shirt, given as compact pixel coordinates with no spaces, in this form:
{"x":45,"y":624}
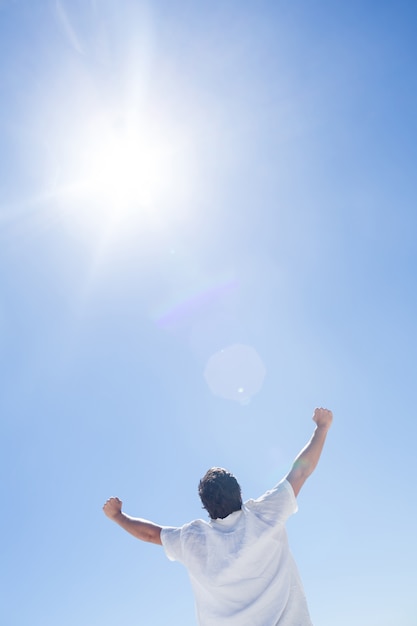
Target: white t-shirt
{"x":241,"y":569}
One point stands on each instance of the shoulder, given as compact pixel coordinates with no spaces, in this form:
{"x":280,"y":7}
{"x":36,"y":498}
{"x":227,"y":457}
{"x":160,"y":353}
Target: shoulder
{"x":196,"y":527}
{"x":282,"y":489}
{"x":178,"y":541}
{"x":277,"y":503}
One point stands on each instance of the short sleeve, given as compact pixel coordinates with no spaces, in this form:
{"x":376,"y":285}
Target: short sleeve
{"x":277,"y":504}
{"x":171,"y":541}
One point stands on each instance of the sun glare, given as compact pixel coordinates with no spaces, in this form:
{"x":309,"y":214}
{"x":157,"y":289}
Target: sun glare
{"x":127,"y":170}
{"x":114,"y":156}
{"x":128,"y":166}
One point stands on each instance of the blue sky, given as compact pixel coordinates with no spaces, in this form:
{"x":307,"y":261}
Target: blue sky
{"x":178,"y":179}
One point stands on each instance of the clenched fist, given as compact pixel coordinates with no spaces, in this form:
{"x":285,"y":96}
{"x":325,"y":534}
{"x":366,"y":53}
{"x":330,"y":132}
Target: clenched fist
{"x":323,"y":418}
{"x":113,"y":508}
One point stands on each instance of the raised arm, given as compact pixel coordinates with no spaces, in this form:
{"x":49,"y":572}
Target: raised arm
{"x":139,"y":528}
{"x":307,"y":460}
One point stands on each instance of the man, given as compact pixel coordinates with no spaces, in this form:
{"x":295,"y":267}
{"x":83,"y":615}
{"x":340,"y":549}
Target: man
{"x":239,"y":563}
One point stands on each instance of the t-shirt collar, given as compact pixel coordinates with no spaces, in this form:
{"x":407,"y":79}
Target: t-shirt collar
{"x":227,"y":521}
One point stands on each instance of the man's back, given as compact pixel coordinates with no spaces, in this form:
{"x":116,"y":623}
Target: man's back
{"x":240,"y":567}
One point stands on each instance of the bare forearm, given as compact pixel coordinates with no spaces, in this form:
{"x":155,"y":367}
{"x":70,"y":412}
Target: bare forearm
{"x":139,"y":528}
{"x":306,"y":461}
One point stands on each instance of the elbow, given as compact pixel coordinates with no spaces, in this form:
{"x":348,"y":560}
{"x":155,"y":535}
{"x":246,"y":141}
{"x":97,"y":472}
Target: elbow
{"x":153,"y":535}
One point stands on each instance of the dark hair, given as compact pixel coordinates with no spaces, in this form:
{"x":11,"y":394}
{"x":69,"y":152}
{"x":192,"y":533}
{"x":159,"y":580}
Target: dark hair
{"x":220,"y":493}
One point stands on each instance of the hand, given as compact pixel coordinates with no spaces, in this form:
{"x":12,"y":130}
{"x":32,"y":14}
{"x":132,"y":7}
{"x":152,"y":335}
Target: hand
{"x":323,"y":418}
{"x":113,"y":508}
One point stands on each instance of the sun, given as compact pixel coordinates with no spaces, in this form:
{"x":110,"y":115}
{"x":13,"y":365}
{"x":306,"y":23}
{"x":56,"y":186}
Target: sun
{"x":115,"y":151}
{"x":123,"y":169}
{"x":127,"y":164}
